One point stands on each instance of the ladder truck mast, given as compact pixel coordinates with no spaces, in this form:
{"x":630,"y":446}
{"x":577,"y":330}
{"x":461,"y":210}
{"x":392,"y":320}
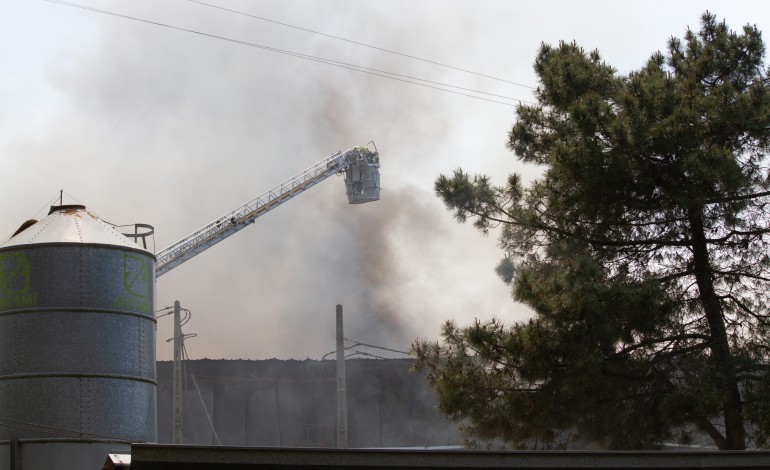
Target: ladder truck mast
{"x":360,"y":165}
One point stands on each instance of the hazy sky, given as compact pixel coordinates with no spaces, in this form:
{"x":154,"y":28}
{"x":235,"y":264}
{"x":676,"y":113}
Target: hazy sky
{"x":143,"y":123}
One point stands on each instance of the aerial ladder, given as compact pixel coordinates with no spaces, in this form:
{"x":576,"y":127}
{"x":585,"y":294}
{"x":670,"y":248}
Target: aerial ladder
{"x":359,"y":165}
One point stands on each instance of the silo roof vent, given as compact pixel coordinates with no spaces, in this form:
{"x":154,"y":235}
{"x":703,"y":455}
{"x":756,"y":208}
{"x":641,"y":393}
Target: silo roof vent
{"x":66,"y":207}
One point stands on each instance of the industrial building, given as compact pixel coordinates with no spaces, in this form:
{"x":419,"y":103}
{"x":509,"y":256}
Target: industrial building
{"x":277,"y":403}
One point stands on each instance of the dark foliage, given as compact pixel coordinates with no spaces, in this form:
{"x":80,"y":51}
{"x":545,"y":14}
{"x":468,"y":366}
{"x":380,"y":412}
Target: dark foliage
{"x":642,"y":249}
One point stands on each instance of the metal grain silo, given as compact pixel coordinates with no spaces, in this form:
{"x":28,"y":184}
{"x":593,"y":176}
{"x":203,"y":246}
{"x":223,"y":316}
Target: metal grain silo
{"x":77,"y":342}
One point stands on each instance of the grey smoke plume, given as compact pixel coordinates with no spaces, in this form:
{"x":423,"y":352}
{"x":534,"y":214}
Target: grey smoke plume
{"x":146,"y":124}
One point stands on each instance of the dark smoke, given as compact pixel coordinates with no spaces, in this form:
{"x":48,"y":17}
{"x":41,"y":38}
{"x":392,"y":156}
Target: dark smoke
{"x":146,"y":124}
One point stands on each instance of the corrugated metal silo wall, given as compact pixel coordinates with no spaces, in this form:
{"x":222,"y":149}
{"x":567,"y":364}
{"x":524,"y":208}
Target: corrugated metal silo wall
{"x":293,"y":404}
{"x":77,"y":342}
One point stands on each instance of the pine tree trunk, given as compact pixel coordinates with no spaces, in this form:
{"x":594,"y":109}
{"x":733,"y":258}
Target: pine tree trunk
{"x":734,"y":438}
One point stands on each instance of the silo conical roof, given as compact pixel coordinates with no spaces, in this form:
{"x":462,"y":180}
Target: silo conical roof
{"x":71,"y":224}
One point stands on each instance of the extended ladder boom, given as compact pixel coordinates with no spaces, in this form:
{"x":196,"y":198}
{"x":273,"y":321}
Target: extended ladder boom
{"x":362,"y":182}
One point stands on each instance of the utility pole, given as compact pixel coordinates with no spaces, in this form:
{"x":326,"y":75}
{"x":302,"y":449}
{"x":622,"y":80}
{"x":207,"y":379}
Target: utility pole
{"x":342,"y":405}
{"x":176,"y":434}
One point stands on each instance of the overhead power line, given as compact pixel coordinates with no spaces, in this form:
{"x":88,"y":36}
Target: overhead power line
{"x":390,"y":51}
{"x":359,"y":343}
{"x":357,"y":68}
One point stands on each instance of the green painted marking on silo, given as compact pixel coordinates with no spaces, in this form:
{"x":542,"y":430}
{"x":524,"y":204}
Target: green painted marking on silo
{"x":15,"y":291}
{"x":135,"y":275}
{"x":136,"y":281}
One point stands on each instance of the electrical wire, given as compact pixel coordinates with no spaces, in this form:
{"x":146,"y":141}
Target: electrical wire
{"x":164,"y":309}
{"x":344,"y":65}
{"x":359,"y":343}
{"x":47,"y":206}
{"x":35,"y":217}
{"x":363,"y":353}
{"x":90,"y":208}
{"x":205,"y":409}
{"x":186,"y":388}
{"x":362,"y":44}
{"x":335,"y":351}
{"x":63,"y":192}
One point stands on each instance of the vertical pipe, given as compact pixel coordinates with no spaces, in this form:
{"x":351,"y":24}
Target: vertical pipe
{"x":176,"y":433}
{"x":15,"y":454}
{"x":342,"y":406}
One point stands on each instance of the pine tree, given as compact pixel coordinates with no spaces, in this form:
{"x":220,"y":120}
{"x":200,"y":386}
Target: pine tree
{"x":642,"y":249}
